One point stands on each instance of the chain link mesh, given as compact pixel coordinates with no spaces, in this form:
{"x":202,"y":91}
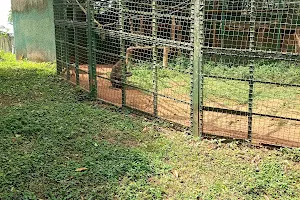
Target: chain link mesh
{"x":221,"y":67}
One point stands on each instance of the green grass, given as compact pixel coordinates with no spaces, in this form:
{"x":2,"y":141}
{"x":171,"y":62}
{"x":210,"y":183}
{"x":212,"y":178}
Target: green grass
{"x":48,"y":129}
{"x":230,"y":92}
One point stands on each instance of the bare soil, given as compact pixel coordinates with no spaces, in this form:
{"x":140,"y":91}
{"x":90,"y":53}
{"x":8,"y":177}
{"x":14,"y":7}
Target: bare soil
{"x":265,"y":130}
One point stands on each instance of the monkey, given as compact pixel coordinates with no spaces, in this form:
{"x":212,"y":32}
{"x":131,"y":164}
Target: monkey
{"x":71,"y":64}
{"x":116,"y":75}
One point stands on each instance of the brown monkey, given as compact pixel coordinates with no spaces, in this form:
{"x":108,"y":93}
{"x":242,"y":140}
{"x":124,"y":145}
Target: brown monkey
{"x":116,"y":75}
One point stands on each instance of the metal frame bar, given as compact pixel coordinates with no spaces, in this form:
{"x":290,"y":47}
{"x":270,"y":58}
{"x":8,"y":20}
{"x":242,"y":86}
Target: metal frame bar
{"x":122,"y":52}
{"x":66,"y":45}
{"x":76,"y":47}
{"x":251,"y":69}
{"x":198,"y":68}
{"x":155,"y":52}
{"x":92,"y":64}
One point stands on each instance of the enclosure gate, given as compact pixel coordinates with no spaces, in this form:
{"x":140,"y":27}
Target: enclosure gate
{"x":221,"y":67}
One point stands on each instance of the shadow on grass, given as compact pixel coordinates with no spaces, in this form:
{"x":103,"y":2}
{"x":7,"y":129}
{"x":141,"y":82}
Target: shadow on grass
{"x":22,"y":85}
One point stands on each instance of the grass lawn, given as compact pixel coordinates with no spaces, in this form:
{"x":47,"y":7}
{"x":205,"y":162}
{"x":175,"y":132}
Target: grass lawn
{"x":56,"y":144}
{"x":177,"y":79}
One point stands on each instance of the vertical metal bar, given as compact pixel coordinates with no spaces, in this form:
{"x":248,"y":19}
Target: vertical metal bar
{"x":66,"y":40}
{"x":94,"y":55}
{"x":279,"y":27}
{"x":193,"y":122}
{"x":94,"y":66}
{"x":251,"y":69}
{"x":62,"y":56}
{"x":201,"y":77}
{"x":122,"y":51}
{"x":61,"y":11}
{"x":223,"y":24}
{"x":198,"y":68}
{"x":76,"y":46}
{"x":155,"y":53}
{"x":215,"y":18}
{"x":91,"y":38}
{"x":58,"y":59}
{"x":57,"y":44}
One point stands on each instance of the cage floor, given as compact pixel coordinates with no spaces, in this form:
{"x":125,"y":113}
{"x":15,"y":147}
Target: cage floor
{"x":265,"y":130}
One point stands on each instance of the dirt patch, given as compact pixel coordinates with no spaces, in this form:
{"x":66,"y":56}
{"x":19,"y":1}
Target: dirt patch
{"x":6,"y":101}
{"x":265,"y":129}
{"x":114,"y":138}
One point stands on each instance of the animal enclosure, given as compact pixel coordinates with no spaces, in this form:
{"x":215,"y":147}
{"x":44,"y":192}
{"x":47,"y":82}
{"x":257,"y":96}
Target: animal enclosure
{"x":220,"y":67}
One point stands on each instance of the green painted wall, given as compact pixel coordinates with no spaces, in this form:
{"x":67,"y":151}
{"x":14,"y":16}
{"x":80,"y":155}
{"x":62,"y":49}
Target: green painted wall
{"x":35,"y":34}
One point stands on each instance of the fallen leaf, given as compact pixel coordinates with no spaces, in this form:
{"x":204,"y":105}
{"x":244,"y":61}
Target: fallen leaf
{"x":81,"y":169}
{"x":266,"y":197}
{"x":175,"y":173}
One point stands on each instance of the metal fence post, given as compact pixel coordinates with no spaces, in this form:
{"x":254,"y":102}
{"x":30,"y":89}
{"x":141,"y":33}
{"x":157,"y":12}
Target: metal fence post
{"x":251,"y":69}
{"x":91,"y":40}
{"x":155,"y":52}
{"x":59,"y":66}
{"x":122,"y":49}
{"x":66,"y":46}
{"x":197,"y":68}
{"x":223,"y":24}
{"x":76,"y":46}
{"x":58,"y":42}
{"x":281,"y":5}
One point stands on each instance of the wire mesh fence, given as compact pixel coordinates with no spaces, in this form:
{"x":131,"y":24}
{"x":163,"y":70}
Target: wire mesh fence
{"x":220,"y":67}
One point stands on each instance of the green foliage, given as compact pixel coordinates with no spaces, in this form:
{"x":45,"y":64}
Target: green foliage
{"x":10,"y":17}
{"x":270,"y":179}
{"x":3,"y":32}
